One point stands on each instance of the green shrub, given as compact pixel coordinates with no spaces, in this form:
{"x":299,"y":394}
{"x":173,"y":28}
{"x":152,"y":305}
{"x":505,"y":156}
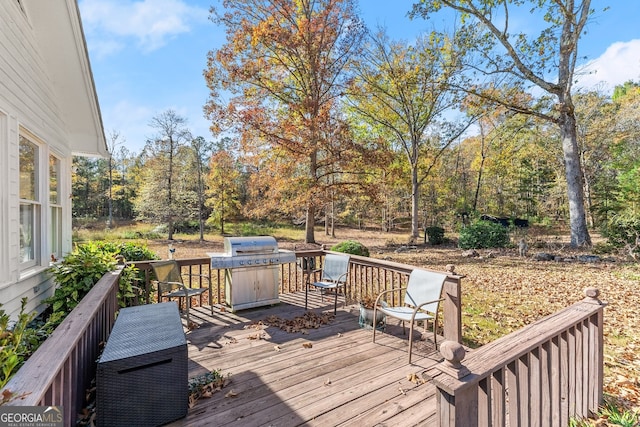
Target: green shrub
{"x":131,"y":235}
{"x":78,"y":272}
{"x":130,"y":274}
{"x":81,"y":269}
{"x":351,"y":247}
{"x":12,"y":348}
{"x":603,"y":248}
{"x":622,"y":230}
{"x":483,"y":234}
{"x":129,"y":250}
{"x":152,"y":235}
{"x":435,"y":235}
{"x":75,"y":275}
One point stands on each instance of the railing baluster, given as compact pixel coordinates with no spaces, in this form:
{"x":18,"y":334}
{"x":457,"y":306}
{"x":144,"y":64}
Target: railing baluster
{"x":537,"y":374}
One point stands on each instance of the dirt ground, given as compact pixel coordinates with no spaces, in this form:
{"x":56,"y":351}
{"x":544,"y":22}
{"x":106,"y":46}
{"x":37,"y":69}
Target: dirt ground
{"x":506,"y":291}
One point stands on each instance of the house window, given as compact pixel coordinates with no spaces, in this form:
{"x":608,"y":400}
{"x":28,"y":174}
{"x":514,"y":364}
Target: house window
{"x":55,"y":235}
{"x":29,"y":204}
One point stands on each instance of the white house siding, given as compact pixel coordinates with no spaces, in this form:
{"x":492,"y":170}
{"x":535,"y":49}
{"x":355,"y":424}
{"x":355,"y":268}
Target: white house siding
{"x":30,"y":102}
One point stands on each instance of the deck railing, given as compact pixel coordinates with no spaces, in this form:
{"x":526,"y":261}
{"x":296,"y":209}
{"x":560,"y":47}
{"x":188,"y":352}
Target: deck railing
{"x":367,"y":276}
{"x":540,"y":375}
{"x":61,"y":370}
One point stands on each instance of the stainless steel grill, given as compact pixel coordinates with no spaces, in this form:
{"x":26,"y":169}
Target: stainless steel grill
{"x":251,"y":270}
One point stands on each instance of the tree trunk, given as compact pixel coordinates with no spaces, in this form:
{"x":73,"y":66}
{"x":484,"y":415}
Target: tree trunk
{"x":333,"y":215}
{"x":222,"y":211}
{"x":415,"y":192}
{"x":310,"y":220}
{"x":483,"y":157}
{"x":326,"y":221}
{"x":310,"y":225}
{"x":575,"y":189}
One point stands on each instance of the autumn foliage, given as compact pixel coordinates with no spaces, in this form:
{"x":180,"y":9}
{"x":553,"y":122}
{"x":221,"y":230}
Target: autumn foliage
{"x":277,"y":82}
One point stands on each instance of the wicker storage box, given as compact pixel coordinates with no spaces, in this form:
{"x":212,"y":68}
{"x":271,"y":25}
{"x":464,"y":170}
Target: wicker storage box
{"x":142,"y":377}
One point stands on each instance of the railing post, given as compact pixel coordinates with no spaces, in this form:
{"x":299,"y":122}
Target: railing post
{"x":457,"y":402}
{"x":452,"y":306}
{"x":596,"y":327}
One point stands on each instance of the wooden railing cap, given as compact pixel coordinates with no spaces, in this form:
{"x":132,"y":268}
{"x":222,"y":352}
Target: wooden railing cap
{"x":453,"y":354}
{"x":592,"y":295}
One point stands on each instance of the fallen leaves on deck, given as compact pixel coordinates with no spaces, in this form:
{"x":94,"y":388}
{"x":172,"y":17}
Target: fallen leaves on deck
{"x":257,"y":336}
{"x":415,"y":378}
{"x":302,"y":324}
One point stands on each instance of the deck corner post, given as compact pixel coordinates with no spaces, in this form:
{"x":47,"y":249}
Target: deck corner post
{"x":452,"y":306}
{"x":456,"y":392}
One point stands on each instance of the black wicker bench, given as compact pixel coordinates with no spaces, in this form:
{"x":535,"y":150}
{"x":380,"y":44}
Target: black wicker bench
{"x":142,"y":377}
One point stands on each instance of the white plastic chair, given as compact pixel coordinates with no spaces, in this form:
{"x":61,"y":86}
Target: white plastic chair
{"x":421,"y":302}
{"x":334,"y":275}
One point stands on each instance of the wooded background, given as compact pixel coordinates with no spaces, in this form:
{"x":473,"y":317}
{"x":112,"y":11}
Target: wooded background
{"x":317,"y":118}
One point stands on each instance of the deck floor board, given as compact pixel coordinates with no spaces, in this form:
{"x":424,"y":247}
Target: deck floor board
{"x":331,"y":375}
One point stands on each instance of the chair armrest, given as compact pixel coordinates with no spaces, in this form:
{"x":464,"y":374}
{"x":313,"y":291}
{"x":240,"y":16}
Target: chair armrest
{"x":177,"y":284}
{"x":331,"y":279}
{"x":428,"y":302}
{"x":204,"y":276}
{"x":387,"y":292}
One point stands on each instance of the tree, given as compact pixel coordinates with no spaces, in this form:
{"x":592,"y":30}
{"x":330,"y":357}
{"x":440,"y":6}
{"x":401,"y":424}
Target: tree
{"x":596,"y":125}
{"x":124,"y":190}
{"x":626,"y":148}
{"x":113,"y":143}
{"x":163,"y":197}
{"x":87,"y":194}
{"x":223,"y":182}
{"x":284,"y":64}
{"x":547,"y":60}
{"x":404,"y":91}
{"x":201,"y":150}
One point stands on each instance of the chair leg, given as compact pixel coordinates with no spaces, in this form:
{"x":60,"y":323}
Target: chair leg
{"x":335,"y":302}
{"x":410,"y":341}
{"x":210,"y":298}
{"x":374,"y":321}
{"x":435,"y":334}
{"x":306,"y":292}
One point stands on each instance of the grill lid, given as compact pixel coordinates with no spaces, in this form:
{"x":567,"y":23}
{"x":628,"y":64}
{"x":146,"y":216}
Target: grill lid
{"x":252,"y":245}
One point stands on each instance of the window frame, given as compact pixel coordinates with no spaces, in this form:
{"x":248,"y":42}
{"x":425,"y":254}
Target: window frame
{"x":30,"y":220}
{"x":55,"y":222}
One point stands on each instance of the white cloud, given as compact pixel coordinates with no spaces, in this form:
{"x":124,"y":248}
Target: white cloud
{"x":618,"y":64}
{"x":110,"y":24}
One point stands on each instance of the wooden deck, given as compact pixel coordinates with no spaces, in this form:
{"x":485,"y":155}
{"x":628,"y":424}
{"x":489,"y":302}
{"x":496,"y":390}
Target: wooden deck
{"x":334,"y":375}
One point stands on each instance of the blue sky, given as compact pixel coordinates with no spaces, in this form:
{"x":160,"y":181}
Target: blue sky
{"x":147,"y":56}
